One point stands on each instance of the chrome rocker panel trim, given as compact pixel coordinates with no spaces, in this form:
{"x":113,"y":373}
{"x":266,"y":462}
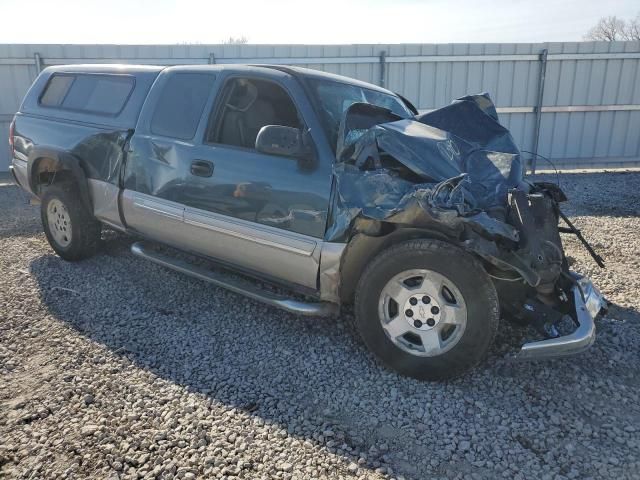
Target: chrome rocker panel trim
{"x":314,"y":309}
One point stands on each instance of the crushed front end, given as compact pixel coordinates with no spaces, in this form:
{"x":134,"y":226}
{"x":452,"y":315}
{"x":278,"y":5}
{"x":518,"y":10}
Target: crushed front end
{"x":457,"y":173}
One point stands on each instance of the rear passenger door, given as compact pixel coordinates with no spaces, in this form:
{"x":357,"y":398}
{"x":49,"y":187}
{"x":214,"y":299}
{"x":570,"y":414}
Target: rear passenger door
{"x":156,"y":174}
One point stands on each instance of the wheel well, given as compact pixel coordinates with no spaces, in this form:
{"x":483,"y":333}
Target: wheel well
{"x":362,"y":248}
{"x":46,"y":171}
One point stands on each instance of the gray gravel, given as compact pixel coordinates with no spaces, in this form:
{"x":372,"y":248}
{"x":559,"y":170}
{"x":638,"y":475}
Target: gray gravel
{"x":116,"y":368}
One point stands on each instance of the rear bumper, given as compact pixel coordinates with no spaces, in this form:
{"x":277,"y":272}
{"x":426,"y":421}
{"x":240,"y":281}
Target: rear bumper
{"x":589,"y":302}
{"x":19,"y":170}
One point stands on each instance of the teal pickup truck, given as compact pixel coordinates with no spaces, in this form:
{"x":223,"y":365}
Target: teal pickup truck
{"x":336,"y":190}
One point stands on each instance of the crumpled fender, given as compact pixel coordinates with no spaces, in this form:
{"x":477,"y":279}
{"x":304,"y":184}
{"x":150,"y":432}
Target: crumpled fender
{"x":460,"y":151}
{"x":451,"y":170}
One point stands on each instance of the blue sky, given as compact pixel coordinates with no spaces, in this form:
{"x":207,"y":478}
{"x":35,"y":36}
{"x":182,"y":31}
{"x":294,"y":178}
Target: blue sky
{"x":321,"y":21}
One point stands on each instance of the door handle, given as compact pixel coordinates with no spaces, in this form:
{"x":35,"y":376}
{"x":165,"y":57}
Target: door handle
{"x":202,"y":168}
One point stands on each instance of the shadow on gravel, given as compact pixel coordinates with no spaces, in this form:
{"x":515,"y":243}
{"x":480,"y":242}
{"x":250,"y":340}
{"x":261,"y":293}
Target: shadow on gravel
{"x":19,"y":219}
{"x":314,"y":378}
{"x":310,"y":376}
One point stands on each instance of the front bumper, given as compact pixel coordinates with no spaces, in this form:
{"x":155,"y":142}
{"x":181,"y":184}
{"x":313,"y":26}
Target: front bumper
{"x":589,"y":302}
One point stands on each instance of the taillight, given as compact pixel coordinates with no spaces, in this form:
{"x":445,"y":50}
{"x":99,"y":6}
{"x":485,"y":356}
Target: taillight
{"x":12,"y":126}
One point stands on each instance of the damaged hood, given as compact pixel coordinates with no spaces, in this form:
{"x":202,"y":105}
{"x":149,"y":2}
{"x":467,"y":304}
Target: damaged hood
{"x":464,"y":137}
{"x":452,"y":165}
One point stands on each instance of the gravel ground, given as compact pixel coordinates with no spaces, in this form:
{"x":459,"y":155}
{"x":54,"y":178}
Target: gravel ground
{"x":116,"y":368}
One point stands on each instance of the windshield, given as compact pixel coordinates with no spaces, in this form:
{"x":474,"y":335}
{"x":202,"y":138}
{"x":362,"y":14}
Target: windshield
{"x":333,"y":98}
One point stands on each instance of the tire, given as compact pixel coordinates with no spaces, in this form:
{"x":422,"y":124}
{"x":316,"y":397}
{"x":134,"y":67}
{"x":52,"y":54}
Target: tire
{"x":417,"y":276}
{"x":72,"y":231}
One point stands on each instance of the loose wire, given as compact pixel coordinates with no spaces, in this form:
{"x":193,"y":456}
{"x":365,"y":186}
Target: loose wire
{"x":550,"y":163}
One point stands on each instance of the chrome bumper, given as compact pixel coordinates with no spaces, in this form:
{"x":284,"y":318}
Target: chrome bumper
{"x":589,"y":302}
{"x":19,"y":171}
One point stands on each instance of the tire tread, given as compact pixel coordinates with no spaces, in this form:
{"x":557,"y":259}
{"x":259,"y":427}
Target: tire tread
{"x":421,"y":247}
{"x":85,"y":226}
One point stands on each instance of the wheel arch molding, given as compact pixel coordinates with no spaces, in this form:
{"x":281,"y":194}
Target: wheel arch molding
{"x":44,"y":159}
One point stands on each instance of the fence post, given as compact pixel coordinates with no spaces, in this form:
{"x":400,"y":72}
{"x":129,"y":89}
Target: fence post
{"x":38,"y":61}
{"x":536,"y":132}
{"x":383,"y":64}
{"x":212,"y":58}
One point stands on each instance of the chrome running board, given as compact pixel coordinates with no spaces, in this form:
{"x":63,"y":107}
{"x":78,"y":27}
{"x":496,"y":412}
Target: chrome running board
{"x":314,"y":309}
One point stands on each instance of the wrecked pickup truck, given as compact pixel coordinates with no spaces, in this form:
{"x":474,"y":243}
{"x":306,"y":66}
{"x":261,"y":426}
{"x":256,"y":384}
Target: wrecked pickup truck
{"x":335,"y":190}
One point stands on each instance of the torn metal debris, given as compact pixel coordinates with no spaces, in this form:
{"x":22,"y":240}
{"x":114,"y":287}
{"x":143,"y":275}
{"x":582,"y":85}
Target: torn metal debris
{"x":456,"y":171}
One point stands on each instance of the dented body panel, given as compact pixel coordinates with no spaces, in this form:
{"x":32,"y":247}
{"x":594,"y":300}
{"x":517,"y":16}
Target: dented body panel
{"x":456,"y":172}
{"x":466,"y":181}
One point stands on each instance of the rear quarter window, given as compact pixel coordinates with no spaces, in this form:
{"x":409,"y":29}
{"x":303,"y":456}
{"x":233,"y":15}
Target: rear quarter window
{"x":56,"y":90}
{"x":92,"y":93}
{"x":180,"y":105}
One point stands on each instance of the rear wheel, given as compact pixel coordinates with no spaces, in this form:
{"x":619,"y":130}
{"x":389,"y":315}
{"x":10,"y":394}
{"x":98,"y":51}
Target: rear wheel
{"x":71,"y":230}
{"x":427,"y":309}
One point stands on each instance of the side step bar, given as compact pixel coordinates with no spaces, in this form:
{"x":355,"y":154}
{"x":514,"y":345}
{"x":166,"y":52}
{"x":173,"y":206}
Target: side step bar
{"x":314,"y":309}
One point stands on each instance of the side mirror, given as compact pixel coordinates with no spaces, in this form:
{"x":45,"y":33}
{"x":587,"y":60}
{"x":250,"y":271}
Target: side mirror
{"x":280,"y":140}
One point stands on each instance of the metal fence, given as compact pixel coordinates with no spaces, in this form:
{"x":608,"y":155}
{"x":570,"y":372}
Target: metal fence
{"x":577,"y":103}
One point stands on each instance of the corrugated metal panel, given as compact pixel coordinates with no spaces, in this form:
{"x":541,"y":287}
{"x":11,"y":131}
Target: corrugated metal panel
{"x":578,"y":74}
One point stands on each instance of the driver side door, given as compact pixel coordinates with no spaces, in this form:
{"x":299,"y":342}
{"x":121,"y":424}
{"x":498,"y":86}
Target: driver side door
{"x":261,"y":212}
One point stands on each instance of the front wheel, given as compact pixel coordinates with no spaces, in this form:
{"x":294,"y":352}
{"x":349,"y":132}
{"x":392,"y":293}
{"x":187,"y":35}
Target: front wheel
{"x":72,"y":231}
{"x":427,"y":309}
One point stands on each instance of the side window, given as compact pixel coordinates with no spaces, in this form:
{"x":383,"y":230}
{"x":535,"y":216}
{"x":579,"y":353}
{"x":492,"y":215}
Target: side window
{"x":95,"y":93}
{"x":56,"y":90}
{"x":98,"y":93}
{"x":247,"y":106}
{"x":180,"y":105}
